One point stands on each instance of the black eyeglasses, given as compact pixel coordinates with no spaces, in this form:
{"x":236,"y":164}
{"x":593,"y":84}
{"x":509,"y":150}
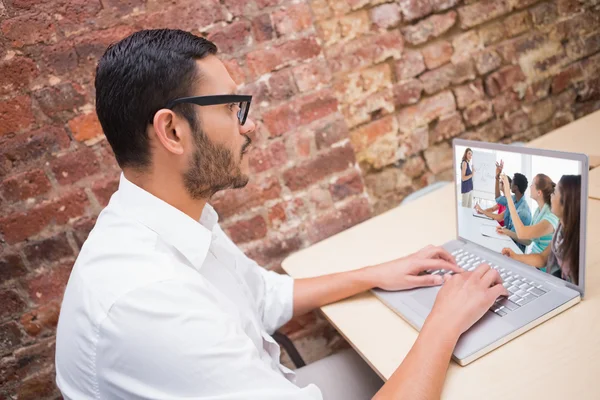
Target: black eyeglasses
{"x":244,"y":103}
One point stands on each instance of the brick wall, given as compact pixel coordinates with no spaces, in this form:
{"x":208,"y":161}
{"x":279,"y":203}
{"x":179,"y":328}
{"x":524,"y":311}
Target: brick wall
{"x":356,"y":103}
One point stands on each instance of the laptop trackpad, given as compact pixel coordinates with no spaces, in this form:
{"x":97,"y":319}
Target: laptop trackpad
{"x":426,"y":296}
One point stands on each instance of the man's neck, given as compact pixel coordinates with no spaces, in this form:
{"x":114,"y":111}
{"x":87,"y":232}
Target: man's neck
{"x":169,"y":190}
{"x":518,"y":196}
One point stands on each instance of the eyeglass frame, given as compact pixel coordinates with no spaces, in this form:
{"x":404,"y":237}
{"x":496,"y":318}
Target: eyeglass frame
{"x":216,"y":100}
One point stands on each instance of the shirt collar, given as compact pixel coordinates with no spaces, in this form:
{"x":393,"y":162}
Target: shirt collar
{"x":192,"y":238}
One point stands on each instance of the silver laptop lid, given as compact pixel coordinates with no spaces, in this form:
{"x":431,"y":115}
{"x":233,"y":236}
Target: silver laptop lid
{"x":526,"y":166}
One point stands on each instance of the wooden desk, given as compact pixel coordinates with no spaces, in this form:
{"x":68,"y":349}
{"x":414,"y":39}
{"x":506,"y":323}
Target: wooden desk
{"x":557,"y":360}
{"x":580,"y":136}
{"x":594,"y":186}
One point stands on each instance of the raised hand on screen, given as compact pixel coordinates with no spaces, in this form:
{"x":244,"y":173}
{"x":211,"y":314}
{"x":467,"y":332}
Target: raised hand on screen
{"x":508,"y":252}
{"x":499,"y":167}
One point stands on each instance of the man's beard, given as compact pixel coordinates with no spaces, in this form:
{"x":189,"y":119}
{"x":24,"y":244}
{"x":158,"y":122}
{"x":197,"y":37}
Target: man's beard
{"x":213,"y":168}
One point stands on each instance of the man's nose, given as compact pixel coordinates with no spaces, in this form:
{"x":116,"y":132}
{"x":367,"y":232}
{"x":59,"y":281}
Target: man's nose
{"x":248,"y":127}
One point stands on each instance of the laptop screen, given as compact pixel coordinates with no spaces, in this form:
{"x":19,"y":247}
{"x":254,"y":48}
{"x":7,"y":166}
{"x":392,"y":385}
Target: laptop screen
{"x":524,"y":206}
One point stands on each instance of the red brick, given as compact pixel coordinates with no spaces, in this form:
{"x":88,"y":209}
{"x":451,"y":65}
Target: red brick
{"x":38,"y":386}
{"x":565,"y":78}
{"x":230,"y":202}
{"x":365,"y":51}
{"x":492,"y":33}
{"x":291,"y":19}
{"x":49,"y":283}
{"x":503,"y":79}
{"x":330,"y":133}
{"x":516,"y":122}
{"x":22,"y":225}
{"x":562,"y":118}
{"x":408,"y":92}
{"x":231,"y":38}
{"x":188,"y":15}
{"x":48,"y":250}
{"x":518,"y":4}
{"x":487,"y":61}
{"x":240,"y":7}
{"x":478,"y":113}
{"x":583,"y":47}
{"x":77,"y":15}
{"x":585,"y":108}
{"x":281,"y":85}
{"x":440,"y":78}
{"x":540,"y":112}
{"x":235,"y":71}
{"x":82,"y":228}
{"x":274,"y":248}
{"x":59,"y":58}
{"x":11,"y":266}
{"x":366,"y":135}
{"x":75,"y":166}
{"x":439,"y":158}
{"x":277,"y":215}
{"x":247,"y":230}
{"x":414,"y":9}
{"x":537,"y":90}
{"x":42,"y":318}
{"x":569,"y":7}
{"x":28,"y":361}
{"x":447,"y":127}
{"x":386,"y":15}
{"x":428,"y":28}
{"x":482,"y":11}
{"x":91,"y":46}
{"x":465,"y":45}
{"x":469,"y":93}
{"x":123,"y":7}
{"x":15,"y":115}
{"x":339,"y":219}
{"x":437,"y":54}
{"x":300,"y":112}
{"x":410,"y":65}
{"x":320,"y":198}
{"x":312,"y":76}
{"x":335,"y":160}
{"x":63,"y":97}
{"x":301,"y":144}
{"x":544,"y":14}
{"x":11,"y":302}
{"x":414,"y":166}
{"x":29,"y":147}
{"x":506,"y":102}
{"x":426,"y":111}
{"x":517,"y":23}
{"x":29,"y":29}
{"x":512,"y":50}
{"x":262,"y":61}
{"x":17,"y":73}
{"x":104,"y":189}
{"x":25,"y":185}
{"x":588,"y":89}
{"x":85,"y":127}
{"x":491,"y":132}
{"x":412,"y":141}
{"x":565,"y":100}
{"x":272,"y":156}
{"x":11,"y":337}
{"x":262,"y":28}
{"x":346,"y":186}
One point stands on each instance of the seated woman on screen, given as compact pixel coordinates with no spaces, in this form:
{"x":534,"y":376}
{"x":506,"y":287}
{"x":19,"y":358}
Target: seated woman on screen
{"x":544,"y":222}
{"x":495,"y":212}
{"x":561,"y":257}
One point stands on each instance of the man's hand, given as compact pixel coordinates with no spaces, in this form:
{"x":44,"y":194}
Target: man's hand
{"x":502,"y":231}
{"x":499,"y":167}
{"x":505,"y":182}
{"x":478,"y":209}
{"x":404,"y":273}
{"x":465,"y":298}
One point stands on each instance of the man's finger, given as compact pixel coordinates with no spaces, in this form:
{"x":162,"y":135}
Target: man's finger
{"x":491,"y":278}
{"x":425,"y":280}
{"x":496,"y":291}
{"x":481,"y":270}
{"x":442,"y":253}
{"x":438,"y":263}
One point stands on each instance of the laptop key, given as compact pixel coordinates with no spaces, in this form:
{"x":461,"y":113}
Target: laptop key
{"x":521,"y":293}
{"x":536,"y":291}
{"x":514,"y":298}
{"x":508,"y":304}
{"x":501,"y":313}
{"x":524,"y":286}
{"x":526,"y":299}
{"x":513,"y":289}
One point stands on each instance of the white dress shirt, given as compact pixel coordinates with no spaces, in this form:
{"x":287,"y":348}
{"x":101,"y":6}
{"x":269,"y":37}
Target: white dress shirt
{"x":160,"y":306}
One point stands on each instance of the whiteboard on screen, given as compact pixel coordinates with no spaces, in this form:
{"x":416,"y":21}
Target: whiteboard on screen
{"x":484,"y":180}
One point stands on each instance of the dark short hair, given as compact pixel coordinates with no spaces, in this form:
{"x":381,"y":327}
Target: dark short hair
{"x":138,"y":76}
{"x":521,"y":181}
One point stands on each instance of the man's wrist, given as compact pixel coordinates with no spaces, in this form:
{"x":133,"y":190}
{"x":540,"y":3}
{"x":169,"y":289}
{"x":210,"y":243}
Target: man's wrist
{"x":444,"y":328}
{"x":367,"y":277}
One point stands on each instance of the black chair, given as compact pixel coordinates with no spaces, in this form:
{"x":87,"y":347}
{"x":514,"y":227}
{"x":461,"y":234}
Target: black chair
{"x":289,"y":348}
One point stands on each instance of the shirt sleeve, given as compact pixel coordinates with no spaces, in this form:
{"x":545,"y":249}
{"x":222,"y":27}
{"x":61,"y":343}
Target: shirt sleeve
{"x":553,"y":219}
{"x":273,"y":292}
{"x":502,"y":201}
{"x":156,"y":344}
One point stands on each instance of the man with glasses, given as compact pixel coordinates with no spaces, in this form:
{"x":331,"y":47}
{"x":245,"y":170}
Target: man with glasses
{"x":161,"y":304}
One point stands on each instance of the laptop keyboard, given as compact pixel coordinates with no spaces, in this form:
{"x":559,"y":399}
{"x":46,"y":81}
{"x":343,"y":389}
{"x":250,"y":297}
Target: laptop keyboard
{"x":521,"y":290}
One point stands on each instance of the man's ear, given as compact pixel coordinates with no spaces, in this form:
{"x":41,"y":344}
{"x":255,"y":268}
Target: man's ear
{"x":168,"y":129}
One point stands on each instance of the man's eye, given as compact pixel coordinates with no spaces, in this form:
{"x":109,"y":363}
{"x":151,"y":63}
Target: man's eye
{"x":232,"y":106}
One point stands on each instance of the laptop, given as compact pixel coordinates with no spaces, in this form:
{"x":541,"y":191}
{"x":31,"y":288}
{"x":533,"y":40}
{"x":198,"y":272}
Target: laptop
{"x":535,"y":295}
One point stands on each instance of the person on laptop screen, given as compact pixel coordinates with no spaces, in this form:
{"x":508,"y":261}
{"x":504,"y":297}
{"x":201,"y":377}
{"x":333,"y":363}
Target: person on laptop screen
{"x":518,"y":187}
{"x":467,"y":173}
{"x":496,"y":212}
{"x":561,"y":257}
{"x":544,"y":222}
